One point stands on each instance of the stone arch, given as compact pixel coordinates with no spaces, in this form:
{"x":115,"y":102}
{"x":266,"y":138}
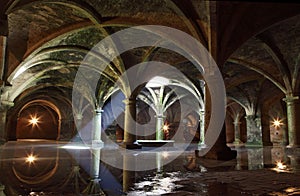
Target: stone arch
{"x":44,"y":109}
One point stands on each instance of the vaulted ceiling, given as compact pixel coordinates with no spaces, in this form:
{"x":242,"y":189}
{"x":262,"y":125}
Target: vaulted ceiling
{"x":256,"y":45}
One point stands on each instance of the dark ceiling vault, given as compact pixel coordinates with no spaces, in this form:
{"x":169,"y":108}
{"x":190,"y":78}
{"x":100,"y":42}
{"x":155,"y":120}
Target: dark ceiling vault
{"x":256,"y":45}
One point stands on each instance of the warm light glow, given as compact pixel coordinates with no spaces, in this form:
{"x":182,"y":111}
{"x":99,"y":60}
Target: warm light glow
{"x":165,"y":154}
{"x":33,"y":120}
{"x":30,"y":158}
{"x":165,"y":127}
{"x":280,"y":165}
{"x":277,"y":123}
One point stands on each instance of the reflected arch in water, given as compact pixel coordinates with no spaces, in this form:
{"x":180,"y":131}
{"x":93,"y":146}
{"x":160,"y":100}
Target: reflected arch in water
{"x":37,"y":170}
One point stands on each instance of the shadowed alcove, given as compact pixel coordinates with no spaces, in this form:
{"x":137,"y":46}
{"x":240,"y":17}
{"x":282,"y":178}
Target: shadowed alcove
{"x":38,"y":120}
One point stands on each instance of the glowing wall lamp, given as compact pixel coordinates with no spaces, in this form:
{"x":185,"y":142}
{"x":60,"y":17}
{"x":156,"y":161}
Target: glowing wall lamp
{"x":33,"y":120}
{"x":277,"y":123}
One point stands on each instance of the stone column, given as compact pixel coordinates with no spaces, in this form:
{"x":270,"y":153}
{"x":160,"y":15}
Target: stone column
{"x":96,"y":137}
{"x":255,"y":158}
{"x":292,"y":108}
{"x":265,"y":127}
{"x":3,"y":47}
{"x":3,"y":113}
{"x":129,"y":141}
{"x":3,"y":133}
{"x":78,"y":123}
{"x":94,"y":187}
{"x":253,"y":130}
{"x":202,"y":122}
{"x":220,"y":151}
{"x":237,"y":133}
{"x":159,"y":127}
{"x":202,"y":129}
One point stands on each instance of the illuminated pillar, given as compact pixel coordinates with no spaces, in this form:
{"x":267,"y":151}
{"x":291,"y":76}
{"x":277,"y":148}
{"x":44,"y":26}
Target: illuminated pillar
{"x":202,"y":129}
{"x":159,"y":162}
{"x":94,"y":187}
{"x":95,"y":163}
{"x":237,"y":133}
{"x":293,"y":124}
{"x":129,"y":141}
{"x":96,"y":138}
{"x":159,"y":127}
{"x":253,"y":130}
{"x":202,"y":116}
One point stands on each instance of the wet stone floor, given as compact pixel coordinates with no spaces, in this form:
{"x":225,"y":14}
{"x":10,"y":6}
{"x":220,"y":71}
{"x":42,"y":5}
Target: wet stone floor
{"x":45,"y":168}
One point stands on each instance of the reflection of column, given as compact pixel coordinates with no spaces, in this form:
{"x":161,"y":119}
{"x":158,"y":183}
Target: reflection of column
{"x":253,"y":130}
{"x":294,"y":162}
{"x":130,"y":125}
{"x":293,"y":124}
{"x":159,"y":162}
{"x":96,"y":138}
{"x":95,"y":163}
{"x":159,"y":127}
{"x":128,"y":175}
{"x":94,"y":187}
{"x":237,"y":133}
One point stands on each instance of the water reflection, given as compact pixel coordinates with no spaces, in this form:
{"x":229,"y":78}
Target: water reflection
{"x":41,"y":168}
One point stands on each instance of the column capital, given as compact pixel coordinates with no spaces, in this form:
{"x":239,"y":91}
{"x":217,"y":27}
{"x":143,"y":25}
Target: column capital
{"x":236,"y":122}
{"x":160,"y":116}
{"x":129,"y":101}
{"x":5,"y":104}
{"x":78,"y":116}
{"x":290,"y":98}
{"x":99,"y":110}
{"x":251,"y":116}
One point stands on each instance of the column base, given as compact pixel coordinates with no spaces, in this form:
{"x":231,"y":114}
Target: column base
{"x":293,"y":146}
{"x":253,"y":144}
{"x":202,"y":145}
{"x":97,"y":144}
{"x":238,"y":142}
{"x":2,"y":141}
{"x":130,"y":145}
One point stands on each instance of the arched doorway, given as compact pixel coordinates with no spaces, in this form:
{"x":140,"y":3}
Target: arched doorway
{"x":38,"y":119}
